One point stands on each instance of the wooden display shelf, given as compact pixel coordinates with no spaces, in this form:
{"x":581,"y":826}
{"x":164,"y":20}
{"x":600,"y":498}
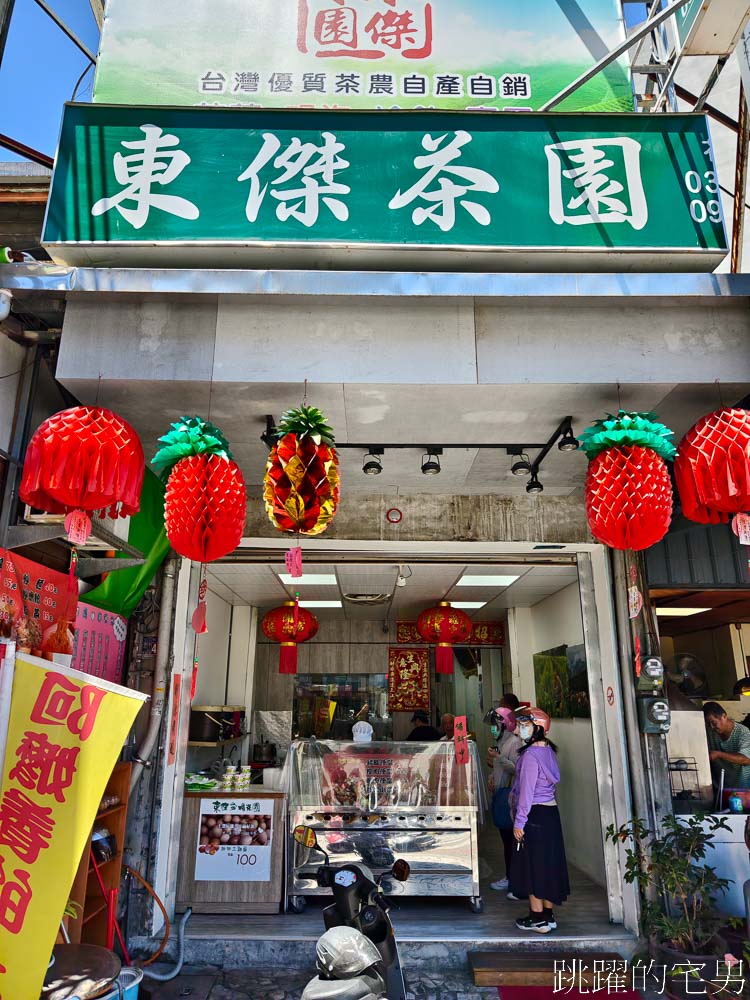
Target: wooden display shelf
{"x":217,"y":743}
{"x":90,"y":926}
{"x":101,"y":864}
{"x":109,"y":812}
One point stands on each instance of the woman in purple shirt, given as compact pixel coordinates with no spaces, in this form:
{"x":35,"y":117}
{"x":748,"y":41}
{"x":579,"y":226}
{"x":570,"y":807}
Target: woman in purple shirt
{"x":539,"y":869}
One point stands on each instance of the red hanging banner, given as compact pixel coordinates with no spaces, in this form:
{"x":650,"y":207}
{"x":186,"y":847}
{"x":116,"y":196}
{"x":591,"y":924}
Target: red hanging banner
{"x":408,"y":679}
{"x":37,"y":607}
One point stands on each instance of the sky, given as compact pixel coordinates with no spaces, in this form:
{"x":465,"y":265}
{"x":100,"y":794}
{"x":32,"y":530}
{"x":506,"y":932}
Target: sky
{"x":39,"y":71}
{"x":41,"y":66}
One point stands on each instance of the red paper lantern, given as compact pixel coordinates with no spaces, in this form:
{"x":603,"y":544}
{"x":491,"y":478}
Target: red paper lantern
{"x":205,"y":505}
{"x":628,"y":492}
{"x":628,"y":497}
{"x":205,"y":501}
{"x":445,"y":626}
{"x":289,"y":625}
{"x":712,"y":468}
{"x":84,"y":459}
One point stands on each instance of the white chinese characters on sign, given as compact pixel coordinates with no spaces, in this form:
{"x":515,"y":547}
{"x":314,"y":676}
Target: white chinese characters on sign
{"x":154,"y":161}
{"x":314,"y":169}
{"x":582,"y":191}
{"x":451,"y":184}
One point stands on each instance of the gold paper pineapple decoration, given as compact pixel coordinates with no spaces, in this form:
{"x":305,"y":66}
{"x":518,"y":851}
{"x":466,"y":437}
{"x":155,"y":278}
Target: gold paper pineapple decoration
{"x":301,"y":485}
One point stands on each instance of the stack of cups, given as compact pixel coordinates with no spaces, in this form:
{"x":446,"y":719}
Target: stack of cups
{"x":243,"y":778}
{"x":228,"y":782}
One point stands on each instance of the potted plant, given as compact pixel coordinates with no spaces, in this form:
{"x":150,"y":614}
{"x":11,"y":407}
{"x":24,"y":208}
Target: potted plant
{"x":678,"y":893}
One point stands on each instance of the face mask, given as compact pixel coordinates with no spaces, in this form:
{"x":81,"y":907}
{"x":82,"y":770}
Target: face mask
{"x":495,"y":731}
{"x":526,"y":732}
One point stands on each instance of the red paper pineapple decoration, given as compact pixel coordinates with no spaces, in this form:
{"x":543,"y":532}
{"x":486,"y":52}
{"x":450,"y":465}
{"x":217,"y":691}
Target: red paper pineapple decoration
{"x":82,"y":460}
{"x":289,"y":625}
{"x":445,"y":626}
{"x":712,"y":468}
{"x":628,"y":491}
{"x":301,"y":487}
{"x":205,"y":501}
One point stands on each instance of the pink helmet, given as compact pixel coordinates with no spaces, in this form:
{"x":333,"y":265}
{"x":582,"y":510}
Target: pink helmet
{"x":508,"y":717}
{"x":535,"y":715}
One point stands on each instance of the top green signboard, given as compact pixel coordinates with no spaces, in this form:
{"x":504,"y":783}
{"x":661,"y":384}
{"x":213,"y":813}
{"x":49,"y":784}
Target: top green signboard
{"x":360,"y":54}
{"x":364,"y":189}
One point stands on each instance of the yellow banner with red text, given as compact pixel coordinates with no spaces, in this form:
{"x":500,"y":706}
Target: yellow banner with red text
{"x":65,"y":734}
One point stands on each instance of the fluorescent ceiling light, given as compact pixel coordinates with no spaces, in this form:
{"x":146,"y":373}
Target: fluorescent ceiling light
{"x":486,"y":581}
{"x":320,"y":604}
{"x":467,"y":605}
{"x":680,"y":612}
{"x":311,"y":579}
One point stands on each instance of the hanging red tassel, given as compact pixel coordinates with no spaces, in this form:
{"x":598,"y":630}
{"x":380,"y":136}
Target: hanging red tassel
{"x":288,"y":658}
{"x":444,"y":658}
{"x":199,"y":615}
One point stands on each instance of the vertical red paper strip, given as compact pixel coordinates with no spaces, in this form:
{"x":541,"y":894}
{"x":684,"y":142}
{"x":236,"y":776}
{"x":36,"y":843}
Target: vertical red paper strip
{"x":461,"y":740}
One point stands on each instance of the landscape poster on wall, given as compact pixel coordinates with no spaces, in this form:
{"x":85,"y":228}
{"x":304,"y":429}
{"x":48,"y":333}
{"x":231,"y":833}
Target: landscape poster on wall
{"x":361,"y":54}
{"x":562,"y":684}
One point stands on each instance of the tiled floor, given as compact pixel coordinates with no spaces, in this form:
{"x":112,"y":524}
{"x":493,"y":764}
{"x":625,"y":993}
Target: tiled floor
{"x":247,"y":984}
{"x":415,"y":921}
{"x":422,"y":919}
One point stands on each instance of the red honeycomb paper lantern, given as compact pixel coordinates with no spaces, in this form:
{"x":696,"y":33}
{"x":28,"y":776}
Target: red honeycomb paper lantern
{"x":204,"y":507}
{"x":628,"y":497}
{"x":289,"y":625}
{"x":81,"y":460}
{"x":712,"y":468}
{"x":444,"y":626}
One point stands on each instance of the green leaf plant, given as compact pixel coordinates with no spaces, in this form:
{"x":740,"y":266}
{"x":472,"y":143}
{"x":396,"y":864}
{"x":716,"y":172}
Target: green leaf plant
{"x":678,"y":889}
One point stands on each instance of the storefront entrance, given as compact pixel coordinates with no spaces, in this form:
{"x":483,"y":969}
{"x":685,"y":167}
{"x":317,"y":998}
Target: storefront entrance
{"x":551,"y":642}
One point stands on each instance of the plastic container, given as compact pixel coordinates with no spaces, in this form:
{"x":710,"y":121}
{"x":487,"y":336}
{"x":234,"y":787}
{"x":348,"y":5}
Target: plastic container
{"x":128,"y":984}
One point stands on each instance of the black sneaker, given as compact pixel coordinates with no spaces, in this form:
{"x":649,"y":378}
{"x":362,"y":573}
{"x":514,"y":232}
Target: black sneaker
{"x":538,"y":924}
{"x":551,"y":922}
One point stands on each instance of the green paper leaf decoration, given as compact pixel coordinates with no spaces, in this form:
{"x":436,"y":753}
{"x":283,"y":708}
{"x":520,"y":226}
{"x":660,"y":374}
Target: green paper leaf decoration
{"x":306,"y":421}
{"x":641,"y":430}
{"x":189,"y":436}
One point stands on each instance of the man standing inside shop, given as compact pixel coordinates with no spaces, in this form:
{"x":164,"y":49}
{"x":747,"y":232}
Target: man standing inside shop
{"x":423,"y":732}
{"x":729,"y":744}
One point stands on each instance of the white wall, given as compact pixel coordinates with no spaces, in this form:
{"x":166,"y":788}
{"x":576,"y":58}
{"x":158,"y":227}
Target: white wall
{"x":213,"y":653}
{"x":554,"y":622}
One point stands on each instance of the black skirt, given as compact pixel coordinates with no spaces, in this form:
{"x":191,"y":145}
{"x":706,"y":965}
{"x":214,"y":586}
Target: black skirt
{"x":539,"y":868}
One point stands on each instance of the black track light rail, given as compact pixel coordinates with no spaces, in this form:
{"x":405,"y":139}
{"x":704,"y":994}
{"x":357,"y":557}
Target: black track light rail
{"x":564,"y":427}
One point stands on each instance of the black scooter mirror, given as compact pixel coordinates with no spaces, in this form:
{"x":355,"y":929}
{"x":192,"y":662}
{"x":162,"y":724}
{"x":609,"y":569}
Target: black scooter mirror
{"x":306,"y":836}
{"x":401,"y":870}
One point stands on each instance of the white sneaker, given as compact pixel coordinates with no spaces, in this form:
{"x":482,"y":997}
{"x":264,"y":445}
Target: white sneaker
{"x":500,"y":886}
{"x":514,"y":899}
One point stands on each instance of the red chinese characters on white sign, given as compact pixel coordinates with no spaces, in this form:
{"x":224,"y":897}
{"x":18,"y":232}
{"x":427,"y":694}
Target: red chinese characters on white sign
{"x":365,"y":29}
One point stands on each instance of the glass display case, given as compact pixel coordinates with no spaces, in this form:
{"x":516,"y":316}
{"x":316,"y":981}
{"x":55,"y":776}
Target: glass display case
{"x":371,"y":803}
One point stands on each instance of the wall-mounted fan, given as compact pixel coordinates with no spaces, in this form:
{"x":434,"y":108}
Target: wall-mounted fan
{"x":689,"y":674}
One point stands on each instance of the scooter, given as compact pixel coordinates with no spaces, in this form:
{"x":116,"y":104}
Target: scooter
{"x":357,"y":956}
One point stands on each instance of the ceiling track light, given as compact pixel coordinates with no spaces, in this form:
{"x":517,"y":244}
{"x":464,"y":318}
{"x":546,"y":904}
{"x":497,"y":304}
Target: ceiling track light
{"x":371,"y":463}
{"x":568,"y":441}
{"x":522,"y":465}
{"x":534,"y":486}
{"x":431,"y":462}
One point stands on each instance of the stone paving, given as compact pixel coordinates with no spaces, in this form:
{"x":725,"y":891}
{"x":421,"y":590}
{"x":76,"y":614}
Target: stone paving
{"x":247,"y":984}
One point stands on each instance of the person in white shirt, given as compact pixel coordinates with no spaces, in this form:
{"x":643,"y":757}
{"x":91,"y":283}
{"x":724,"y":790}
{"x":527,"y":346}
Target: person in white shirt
{"x":447,"y":722}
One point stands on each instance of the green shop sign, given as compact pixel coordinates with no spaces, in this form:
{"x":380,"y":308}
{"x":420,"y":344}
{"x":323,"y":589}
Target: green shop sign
{"x":137,"y":184}
{"x":686,"y":17}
